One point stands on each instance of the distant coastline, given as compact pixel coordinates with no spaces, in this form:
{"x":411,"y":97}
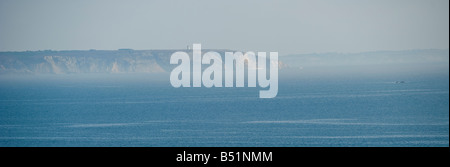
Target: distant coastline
{"x":157,"y":61}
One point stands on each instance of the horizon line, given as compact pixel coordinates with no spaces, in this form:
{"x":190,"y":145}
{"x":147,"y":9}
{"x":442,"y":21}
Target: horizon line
{"x":130,"y":49}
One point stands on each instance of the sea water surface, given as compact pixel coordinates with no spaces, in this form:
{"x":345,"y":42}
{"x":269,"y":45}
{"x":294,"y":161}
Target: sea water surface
{"x":119,"y":110}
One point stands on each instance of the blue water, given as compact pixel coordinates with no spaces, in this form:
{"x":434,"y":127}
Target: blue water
{"x":124,"y":111}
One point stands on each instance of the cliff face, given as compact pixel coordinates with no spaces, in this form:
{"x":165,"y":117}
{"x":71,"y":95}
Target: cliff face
{"x":92,"y":61}
{"x":64,"y":62}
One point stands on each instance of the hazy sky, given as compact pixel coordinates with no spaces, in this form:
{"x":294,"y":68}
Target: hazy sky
{"x":260,"y":25}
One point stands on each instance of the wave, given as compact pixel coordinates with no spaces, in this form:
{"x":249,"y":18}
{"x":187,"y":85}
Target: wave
{"x":100,"y":125}
{"x":367,"y":136}
{"x":341,"y":122}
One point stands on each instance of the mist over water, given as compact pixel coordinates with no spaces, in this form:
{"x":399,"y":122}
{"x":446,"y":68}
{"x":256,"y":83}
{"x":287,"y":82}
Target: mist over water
{"x":144,"y":110}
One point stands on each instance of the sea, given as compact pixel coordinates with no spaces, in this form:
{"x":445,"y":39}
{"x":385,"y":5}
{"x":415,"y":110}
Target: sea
{"x":143,"y":111}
